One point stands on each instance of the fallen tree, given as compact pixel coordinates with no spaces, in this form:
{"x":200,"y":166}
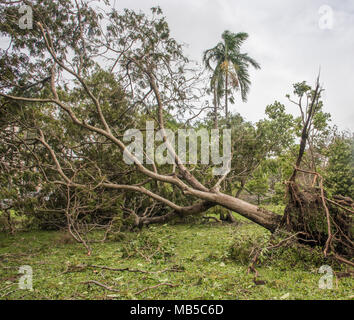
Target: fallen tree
{"x":69,"y":108}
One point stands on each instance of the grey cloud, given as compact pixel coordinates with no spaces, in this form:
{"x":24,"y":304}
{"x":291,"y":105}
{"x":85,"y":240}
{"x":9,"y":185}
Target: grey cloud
{"x":285,"y":38}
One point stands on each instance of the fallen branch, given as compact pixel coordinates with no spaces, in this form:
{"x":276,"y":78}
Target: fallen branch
{"x":212,"y":218}
{"x":339,"y":205}
{"x":136,"y":270}
{"x":8,"y":293}
{"x":259,"y":250}
{"x":100,"y":285}
{"x":156,"y":286}
{"x":339,"y":258}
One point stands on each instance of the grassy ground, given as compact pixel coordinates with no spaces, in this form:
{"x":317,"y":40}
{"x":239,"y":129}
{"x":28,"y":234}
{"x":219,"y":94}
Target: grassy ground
{"x":198,"y":254}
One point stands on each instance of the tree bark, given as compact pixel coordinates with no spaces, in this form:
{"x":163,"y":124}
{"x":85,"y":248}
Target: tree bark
{"x":215,"y":109}
{"x":226,"y":94}
{"x":264,"y":218}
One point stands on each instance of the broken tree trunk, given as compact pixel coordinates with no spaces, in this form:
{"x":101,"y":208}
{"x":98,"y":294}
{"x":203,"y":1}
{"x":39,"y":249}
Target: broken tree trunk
{"x":323,"y":222}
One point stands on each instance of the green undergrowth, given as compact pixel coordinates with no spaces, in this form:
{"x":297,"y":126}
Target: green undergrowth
{"x":201,"y":261}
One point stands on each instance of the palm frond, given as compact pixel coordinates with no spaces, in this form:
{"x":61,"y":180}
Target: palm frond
{"x":226,"y":58}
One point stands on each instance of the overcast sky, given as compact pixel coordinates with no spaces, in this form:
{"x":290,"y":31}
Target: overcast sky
{"x":287,"y":38}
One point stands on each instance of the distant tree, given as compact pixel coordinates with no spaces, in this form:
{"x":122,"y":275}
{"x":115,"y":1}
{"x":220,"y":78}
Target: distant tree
{"x":339,"y":174}
{"x":231,"y":68}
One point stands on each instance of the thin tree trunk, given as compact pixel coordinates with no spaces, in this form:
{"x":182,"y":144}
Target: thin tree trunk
{"x":215,"y":110}
{"x":305,"y":131}
{"x":239,"y":191}
{"x":226,"y":95}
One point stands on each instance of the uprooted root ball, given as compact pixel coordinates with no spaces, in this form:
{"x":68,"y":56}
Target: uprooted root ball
{"x":306,"y":213}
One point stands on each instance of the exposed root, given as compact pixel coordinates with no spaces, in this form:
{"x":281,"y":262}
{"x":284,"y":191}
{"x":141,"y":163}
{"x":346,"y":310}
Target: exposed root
{"x":326,"y":222}
{"x":207,"y":218}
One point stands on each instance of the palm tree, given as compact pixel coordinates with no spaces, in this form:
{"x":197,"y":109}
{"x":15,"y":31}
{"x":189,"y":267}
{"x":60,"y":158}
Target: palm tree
{"x":231,"y":68}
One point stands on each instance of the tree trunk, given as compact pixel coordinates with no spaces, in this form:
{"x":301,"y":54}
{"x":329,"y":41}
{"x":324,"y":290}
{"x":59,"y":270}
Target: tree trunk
{"x":226,"y":95}
{"x":215,"y":109}
{"x":264,"y":218}
{"x":239,"y":191}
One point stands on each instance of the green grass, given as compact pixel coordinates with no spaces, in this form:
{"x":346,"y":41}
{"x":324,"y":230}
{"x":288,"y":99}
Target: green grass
{"x":201,"y":253}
